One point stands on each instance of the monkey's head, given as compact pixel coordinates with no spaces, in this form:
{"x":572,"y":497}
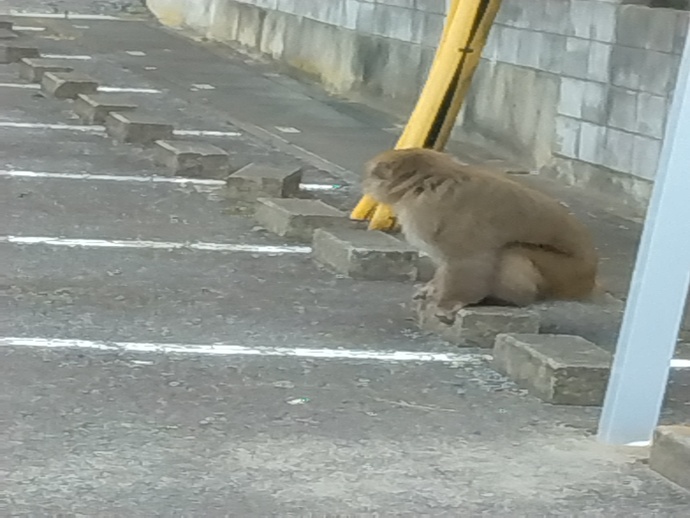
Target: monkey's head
{"x":393,"y":174}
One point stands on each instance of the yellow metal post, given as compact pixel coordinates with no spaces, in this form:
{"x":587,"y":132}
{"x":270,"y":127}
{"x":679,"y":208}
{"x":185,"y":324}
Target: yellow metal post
{"x":465,"y":32}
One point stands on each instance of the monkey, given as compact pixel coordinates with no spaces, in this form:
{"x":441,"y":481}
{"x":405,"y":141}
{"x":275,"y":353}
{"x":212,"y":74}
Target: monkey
{"x":490,"y":237}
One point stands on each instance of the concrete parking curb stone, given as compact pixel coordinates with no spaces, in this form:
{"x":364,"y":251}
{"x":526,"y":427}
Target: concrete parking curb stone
{"x":261,"y":181}
{"x":670,"y":454}
{"x":94,"y":109}
{"x":137,"y":128}
{"x":11,"y":53}
{"x":193,"y":159}
{"x":297,"y":218}
{"x":365,"y":255}
{"x":68,"y":85}
{"x":33,"y":69}
{"x":559,"y":369}
{"x":476,"y":326}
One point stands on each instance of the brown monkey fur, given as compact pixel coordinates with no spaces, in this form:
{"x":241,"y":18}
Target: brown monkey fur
{"x":489,"y":236}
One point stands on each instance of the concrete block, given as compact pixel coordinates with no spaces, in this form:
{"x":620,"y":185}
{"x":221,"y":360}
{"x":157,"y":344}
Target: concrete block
{"x":362,"y":254}
{"x":513,"y":13}
{"x":395,"y":22}
{"x":618,"y":151}
{"x":431,"y":29}
{"x":670,"y":454}
{"x":551,"y":53}
{"x":641,"y":27}
{"x":567,"y":139}
{"x":297,"y":218}
{"x":559,"y":369}
{"x":137,"y":128}
{"x":651,"y":114}
{"x":94,"y":109}
{"x":571,"y":97}
{"x":625,"y":65}
{"x":555,"y":17}
{"x":255,"y":181}
{"x":193,"y":158}
{"x":32,"y":69}
{"x":431,"y":6}
{"x":508,"y":44}
{"x":595,"y":102}
{"x":623,"y":109}
{"x":476,"y":326}
{"x":11,"y":53}
{"x":599,"y":63}
{"x":581,"y":13}
{"x":681,"y":31}
{"x":603,"y":21}
{"x":658,"y":72}
{"x":67,"y":85}
{"x":645,"y":158}
{"x":6,"y":24}
{"x":592,"y":142}
{"x":576,"y":57}
{"x":8,"y":34}
{"x":646,"y":70}
{"x":529,"y":48}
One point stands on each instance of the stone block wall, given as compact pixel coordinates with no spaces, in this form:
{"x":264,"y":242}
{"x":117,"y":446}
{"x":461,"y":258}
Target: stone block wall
{"x":613,"y":68}
{"x":576,"y":88}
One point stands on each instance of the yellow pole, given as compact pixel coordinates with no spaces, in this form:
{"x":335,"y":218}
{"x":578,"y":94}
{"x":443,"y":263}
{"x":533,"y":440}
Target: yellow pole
{"x":467,"y":73}
{"x":456,"y":39}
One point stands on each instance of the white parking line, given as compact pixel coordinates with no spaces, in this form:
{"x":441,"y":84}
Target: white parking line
{"x":67,"y":56}
{"x":143,"y":179}
{"x":153,"y":245}
{"x":103,"y":89}
{"x":28,"y":28}
{"x":111,"y":178}
{"x":101,"y":129}
{"x":57,"y":126}
{"x":239,"y":350}
{"x":65,"y":16}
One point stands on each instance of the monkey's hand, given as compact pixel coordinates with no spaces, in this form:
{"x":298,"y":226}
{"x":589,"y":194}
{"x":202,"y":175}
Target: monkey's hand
{"x":447,"y":314}
{"x":381,"y":216}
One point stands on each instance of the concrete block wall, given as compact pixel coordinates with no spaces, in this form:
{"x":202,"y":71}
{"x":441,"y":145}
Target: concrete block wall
{"x":576,"y":88}
{"x":614,"y":68}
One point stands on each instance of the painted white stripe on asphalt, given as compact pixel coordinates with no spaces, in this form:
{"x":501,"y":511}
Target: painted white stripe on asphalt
{"x":111,"y":178}
{"x":28,"y":28}
{"x":68,"y":16}
{"x":319,"y":187}
{"x":142,"y":179}
{"x":101,"y":129}
{"x":239,"y":350}
{"x":127,"y":90}
{"x":153,"y":245}
{"x":67,"y":56}
{"x":41,"y":125}
{"x":104,"y":89}
{"x":206,"y":133}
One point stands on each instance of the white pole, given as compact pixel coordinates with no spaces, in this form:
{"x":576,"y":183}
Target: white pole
{"x":659,"y":287}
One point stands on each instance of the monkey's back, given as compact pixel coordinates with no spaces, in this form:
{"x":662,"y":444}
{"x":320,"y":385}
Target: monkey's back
{"x":472,"y":205}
